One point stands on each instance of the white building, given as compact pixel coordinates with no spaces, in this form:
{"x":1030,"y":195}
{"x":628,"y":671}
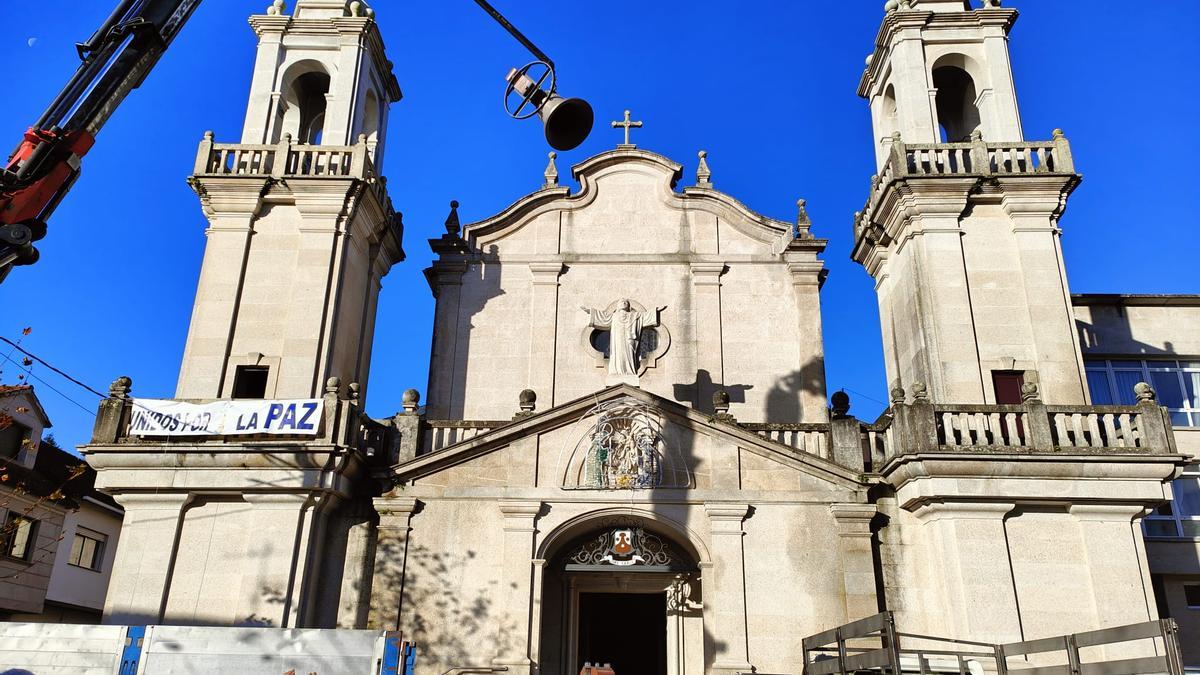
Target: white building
{"x":626,"y":447}
{"x":58,"y":534}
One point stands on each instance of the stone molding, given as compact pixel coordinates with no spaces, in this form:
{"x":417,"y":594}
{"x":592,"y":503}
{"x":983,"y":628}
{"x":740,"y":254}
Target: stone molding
{"x":708,"y":273}
{"x":964,"y":510}
{"x":546,"y":273}
{"x":853,"y":520}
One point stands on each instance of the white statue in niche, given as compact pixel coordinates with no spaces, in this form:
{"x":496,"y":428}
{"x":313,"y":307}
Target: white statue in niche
{"x":625,"y":325}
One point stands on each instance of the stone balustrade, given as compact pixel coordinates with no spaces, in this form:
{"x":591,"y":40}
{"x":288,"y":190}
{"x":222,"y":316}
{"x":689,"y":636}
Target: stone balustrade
{"x":1032,"y":427}
{"x":810,"y":438}
{"x":439,"y":434}
{"x":284,"y":159}
{"x":966,"y":160}
{"x":344,"y":424}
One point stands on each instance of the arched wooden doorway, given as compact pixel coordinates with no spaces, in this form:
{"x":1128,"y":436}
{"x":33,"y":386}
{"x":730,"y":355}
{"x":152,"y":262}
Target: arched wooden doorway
{"x":626,"y":592}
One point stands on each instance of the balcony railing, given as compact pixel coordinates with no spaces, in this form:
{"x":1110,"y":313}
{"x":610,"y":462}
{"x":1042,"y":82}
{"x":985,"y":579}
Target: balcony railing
{"x":1032,"y":426}
{"x":284,"y":159}
{"x":810,"y":438}
{"x":439,"y":434}
{"x":975,"y":158}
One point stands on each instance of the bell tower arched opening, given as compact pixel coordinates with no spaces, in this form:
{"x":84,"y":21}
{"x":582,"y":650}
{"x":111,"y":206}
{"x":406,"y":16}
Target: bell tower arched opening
{"x":304,"y":104}
{"x":957,"y":110}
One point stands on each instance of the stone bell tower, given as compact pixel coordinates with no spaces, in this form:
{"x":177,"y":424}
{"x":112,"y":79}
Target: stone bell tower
{"x":301,"y":229}
{"x":961,"y":228}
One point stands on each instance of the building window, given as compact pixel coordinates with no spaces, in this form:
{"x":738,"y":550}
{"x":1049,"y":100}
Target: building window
{"x":87,"y":550}
{"x":12,"y":439}
{"x":1177,"y":384}
{"x":1192,"y":593}
{"x":17,"y":537}
{"x":1007,"y":385}
{"x":250,"y":381}
{"x":1179,"y":517}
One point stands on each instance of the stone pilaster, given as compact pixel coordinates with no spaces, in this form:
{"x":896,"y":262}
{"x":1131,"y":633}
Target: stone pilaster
{"x":1116,"y":556}
{"x":973,"y":578}
{"x":706,"y":282}
{"x":725,"y":588}
{"x":137,"y":591}
{"x":391,"y":551}
{"x":274,"y":588}
{"x":218,"y":292}
{"x":806,"y":285}
{"x":516,"y":592}
{"x":543,"y":322}
{"x":858,"y":566}
{"x":445,"y":280}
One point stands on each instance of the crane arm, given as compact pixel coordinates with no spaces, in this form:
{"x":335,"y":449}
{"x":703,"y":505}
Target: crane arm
{"x":113,"y":62}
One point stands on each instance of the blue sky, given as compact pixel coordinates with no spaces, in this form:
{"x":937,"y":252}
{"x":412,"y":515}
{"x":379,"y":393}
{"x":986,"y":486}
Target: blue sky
{"x":767,"y":88}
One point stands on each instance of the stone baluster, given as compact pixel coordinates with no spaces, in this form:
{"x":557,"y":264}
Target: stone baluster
{"x":1064,"y":162}
{"x":358,"y":158}
{"x":112,"y":419}
{"x":279,"y":167}
{"x":333,"y":389}
{"x":916,"y":422}
{"x":981,"y":161}
{"x":1037,"y":419}
{"x":204,"y":154}
{"x":846,"y":435}
{"x":1153,"y":423}
{"x":899,"y":158}
{"x":406,"y":425}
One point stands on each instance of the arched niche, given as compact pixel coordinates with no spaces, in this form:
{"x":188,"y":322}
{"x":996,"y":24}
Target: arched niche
{"x":889,"y":121}
{"x":304,"y":90}
{"x":956,"y":77}
{"x":371,"y":121}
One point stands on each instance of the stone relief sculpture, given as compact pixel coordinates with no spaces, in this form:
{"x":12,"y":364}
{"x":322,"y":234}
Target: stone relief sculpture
{"x":625,"y":325}
{"x":623,"y":447}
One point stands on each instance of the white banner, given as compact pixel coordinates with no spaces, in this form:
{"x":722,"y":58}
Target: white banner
{"x":154,"y":417}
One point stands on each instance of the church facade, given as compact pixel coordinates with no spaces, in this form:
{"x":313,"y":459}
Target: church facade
{"x":626,"y":452}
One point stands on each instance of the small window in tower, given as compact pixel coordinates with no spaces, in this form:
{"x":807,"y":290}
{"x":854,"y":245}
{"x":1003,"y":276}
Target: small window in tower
{"x":1007,"y":385}
{"x":13,"y":439}
{"x":250,"y":382}
{"x":1192,"y":593}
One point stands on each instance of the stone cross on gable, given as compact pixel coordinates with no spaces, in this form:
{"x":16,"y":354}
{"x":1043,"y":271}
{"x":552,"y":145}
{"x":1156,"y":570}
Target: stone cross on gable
{"x":628,"y":125}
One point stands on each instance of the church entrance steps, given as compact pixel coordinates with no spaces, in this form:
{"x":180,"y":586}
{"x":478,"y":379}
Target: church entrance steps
{"x":50,"y":649}
{"x":874,"y":645}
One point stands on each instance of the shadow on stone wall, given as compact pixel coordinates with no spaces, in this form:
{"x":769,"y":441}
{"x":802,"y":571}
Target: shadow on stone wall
{"x":452,"y":627}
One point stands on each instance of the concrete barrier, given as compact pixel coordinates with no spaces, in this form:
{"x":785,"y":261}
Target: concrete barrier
{"x":48,"y":649}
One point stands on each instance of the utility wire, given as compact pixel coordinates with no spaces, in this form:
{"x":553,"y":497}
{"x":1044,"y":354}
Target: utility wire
{"x":856,"y":393}
{"x":52,"y":387}
{"x":44,"y":363}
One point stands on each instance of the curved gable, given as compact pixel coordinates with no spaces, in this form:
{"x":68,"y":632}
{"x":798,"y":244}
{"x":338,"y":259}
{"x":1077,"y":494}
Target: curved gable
{"x":628,"y":204}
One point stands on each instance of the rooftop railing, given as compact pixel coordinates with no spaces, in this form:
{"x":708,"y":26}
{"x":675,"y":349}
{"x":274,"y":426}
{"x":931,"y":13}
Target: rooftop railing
{"x":971,"y":159}
{"x":922,"y":426}
{"x":284,"y":159}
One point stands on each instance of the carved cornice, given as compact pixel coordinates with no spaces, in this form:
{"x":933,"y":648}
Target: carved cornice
{"x":897,"y":22}
{"x":890,"y":218}
{"x":735,"y":213}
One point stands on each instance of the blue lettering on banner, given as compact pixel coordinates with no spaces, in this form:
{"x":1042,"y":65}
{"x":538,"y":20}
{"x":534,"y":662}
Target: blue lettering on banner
{"x":273,"y":413}
{"x":289,"y":418}
{"x":181,"y":418}
{"x":309,"y":409}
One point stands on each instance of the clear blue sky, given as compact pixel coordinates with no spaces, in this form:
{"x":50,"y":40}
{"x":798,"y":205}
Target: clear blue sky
{"x":768,"y":88}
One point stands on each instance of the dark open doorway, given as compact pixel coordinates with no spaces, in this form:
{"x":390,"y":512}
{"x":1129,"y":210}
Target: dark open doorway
{"x":628,"y":630}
